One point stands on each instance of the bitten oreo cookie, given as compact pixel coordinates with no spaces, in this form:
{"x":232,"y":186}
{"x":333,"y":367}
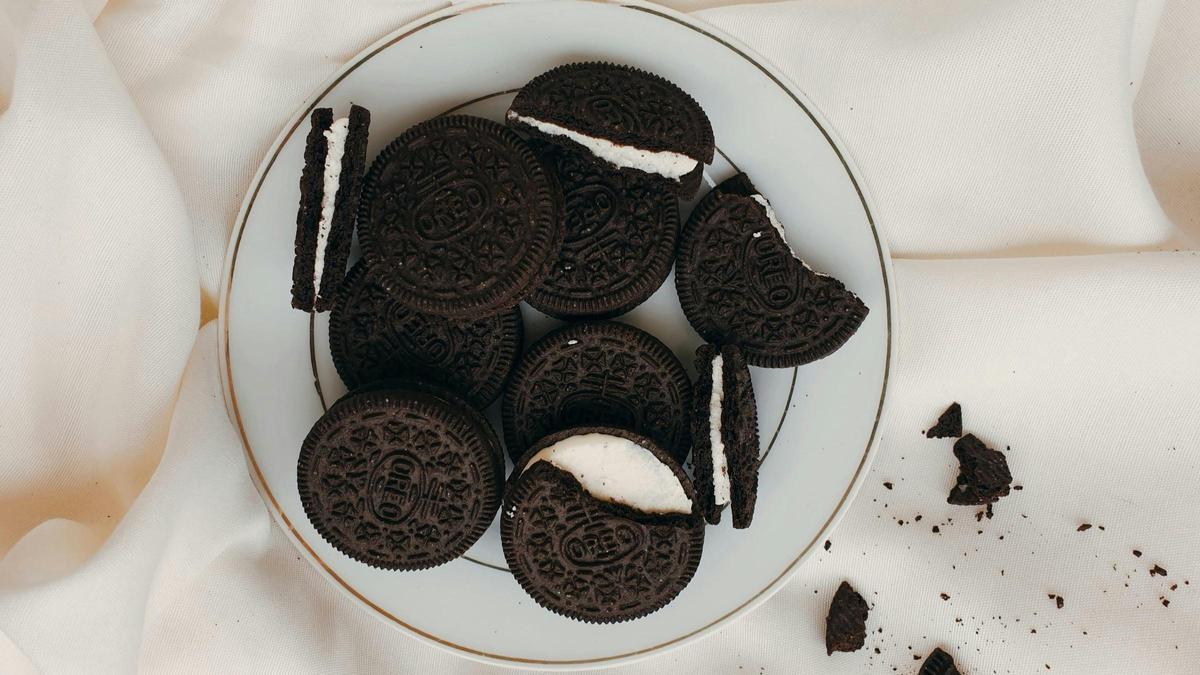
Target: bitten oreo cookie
{"x":725,"y":435}
{"x":626,"y":118}
{"x":739,"y":282}
{"x":459,"y":218}
{"x":599,"y":373}
{"x":846,"y":623}
{"x":983,"y":474}
{"x":600,"y":525}
{"x":335,"y":159}
{"x":939,"y":663}
{"x":373,"y":336}
{"x":400,"y":478}
{"x":620,"y":239}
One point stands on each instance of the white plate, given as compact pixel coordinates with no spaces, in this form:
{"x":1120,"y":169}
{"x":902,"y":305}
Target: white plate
{"x":819,"y":421}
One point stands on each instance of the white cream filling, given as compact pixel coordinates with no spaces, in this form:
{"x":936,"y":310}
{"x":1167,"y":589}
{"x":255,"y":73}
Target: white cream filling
{"x":671,"y":165}
{"x":335,"y":144}
{"x":720,"y":464}
{"x":617,"y":470}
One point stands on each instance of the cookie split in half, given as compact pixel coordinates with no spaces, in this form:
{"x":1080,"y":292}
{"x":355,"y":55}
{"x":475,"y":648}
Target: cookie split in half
{"x":335,"y":159}
{"x":600,"y":525}
{"x":739,"y":282}
{"x":725,"y":435}
{"x":623,"y":117}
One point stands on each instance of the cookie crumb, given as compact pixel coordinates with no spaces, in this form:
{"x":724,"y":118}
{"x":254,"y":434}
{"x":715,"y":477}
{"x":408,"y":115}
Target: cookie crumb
{"x":1158,"y":570}
{"x":949,"y":424}
{"x":887,"y":484}
{"x":1084,"y":527}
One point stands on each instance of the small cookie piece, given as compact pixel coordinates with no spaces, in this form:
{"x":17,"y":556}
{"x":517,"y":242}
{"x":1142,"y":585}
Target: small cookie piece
{"x":739,"y":282}
{"x":400,"y":478}
{"x":725,"y":435}
{"x":459,"y":218}
{"x":846,"y":624}
{"x":983,"y":474}
{"x":600,"y":525}
{"x":335,"y":159}
{"x":949,"y":425}
{"x":626,"y":118}
{"x":600,"y":373}
{"x":620,"y":239}
{"x":939,"y":663}
{"x":372,"y":336}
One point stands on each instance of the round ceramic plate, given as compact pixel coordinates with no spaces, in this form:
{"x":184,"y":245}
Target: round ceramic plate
{"x":817,"y":423}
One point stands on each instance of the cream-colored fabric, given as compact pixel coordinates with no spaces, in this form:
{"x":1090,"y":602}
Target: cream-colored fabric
{"x":1044,"y":282}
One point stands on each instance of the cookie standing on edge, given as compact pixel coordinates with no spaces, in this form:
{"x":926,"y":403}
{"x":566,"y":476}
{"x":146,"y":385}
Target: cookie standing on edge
{"x":725,"y":435}
{"x":600,"y":525}
{"x":400,"y":478}
{"x":739,"y":282}
{"x":372,"y":336}
{"x":459,"y":218}
{"x":599,"y":373}
{"x":335,"y":158}
{"x":623,"y":117}
{"x":620,"y":239}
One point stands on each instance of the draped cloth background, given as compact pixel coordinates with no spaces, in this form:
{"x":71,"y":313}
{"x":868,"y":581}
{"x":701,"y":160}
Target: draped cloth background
{"x":1036,"y":166}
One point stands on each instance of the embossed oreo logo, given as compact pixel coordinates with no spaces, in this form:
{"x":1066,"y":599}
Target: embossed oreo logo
{"x":614,"y":113}
{"x":450,"y":211}
{"x":771,"y":272}
{"x":589,"y":209}
{"x":602,"y":541}
{"x":394,"y":487}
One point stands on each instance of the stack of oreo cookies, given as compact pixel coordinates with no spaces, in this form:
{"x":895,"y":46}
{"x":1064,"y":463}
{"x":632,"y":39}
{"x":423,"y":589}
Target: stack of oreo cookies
{"x":572,"y":207}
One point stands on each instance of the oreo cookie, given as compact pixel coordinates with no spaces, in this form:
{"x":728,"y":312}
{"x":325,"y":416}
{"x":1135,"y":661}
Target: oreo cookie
{"x":459,"y":218}
{"x":335,"y":158}
{"x":939,"y":663}
{"x":983,"y":476}
{"x":598,"y":373}
{"x":600,"y":525}
{"x":400,"y":477}
{"x":846,"y":623}
{"x":620,"y":239}
{"x":622,"y":117}
{"x":740,"y":283}
{"x":949,"y":424}
{"x":373,"y":336}
{"x":725,"y":435}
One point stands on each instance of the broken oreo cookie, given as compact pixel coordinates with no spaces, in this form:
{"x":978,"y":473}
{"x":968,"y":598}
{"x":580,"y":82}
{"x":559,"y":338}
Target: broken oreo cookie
{"x":949,"y":424}
{"x":846,"y":623}
{"x":983,"y":473}
{"x":739,"y":282}
{"x":939,"y":663}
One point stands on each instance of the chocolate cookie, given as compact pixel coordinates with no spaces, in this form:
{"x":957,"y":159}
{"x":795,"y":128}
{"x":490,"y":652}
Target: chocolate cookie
{"x":600,"y":525}
{"x":459,"y":218}
{"x":939,"y":663}
{"x":949,"y":425}
{"x":725,"y":435}
{"x":400,"y":478}
{"x":335,"y":158}
{"x":739,"y":282}
{"x":622,"y":117}
{"x":983,"y":474}
{"x":373,"y":336}
{"x":601,"y":373}
{"x":620,"y":239}
{"x":846,"y":624}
